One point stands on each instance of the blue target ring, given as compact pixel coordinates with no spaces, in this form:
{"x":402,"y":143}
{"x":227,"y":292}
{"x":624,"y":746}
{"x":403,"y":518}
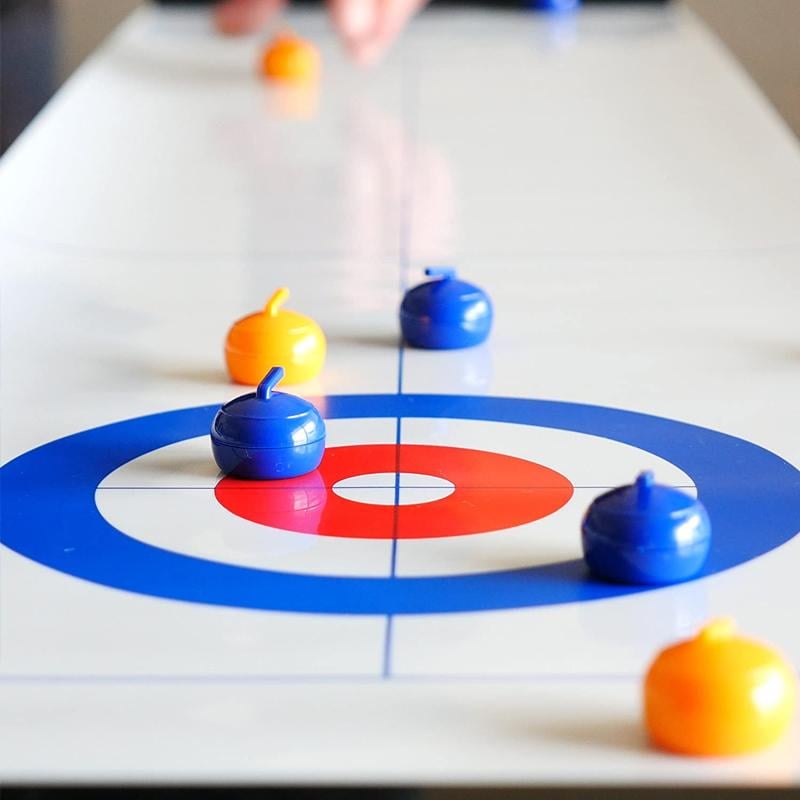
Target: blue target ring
{"x":50,"y":516}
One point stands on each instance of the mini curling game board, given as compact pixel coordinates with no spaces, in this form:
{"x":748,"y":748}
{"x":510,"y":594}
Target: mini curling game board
{"x":416,"y":610}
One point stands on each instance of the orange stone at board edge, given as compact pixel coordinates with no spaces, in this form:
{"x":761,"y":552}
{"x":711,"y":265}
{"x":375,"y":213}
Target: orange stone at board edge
{"x":290,"y":58}
{"x":718,"y":694}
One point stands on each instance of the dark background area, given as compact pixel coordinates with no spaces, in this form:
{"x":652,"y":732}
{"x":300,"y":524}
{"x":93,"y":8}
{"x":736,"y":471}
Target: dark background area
{"x":28,"y":73}
{"x":670,"y":793}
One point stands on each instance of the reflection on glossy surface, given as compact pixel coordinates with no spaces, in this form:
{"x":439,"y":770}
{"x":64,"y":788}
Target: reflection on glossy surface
{"x":391,"y":176}
{"x":467,"y":371}
{"x":655,"y":618}
{"x":560,"y":31}
{"x":358,"y":203}
{"x":492,"y":492}
{"x":293,"y":102}
{"x":293,"y":504}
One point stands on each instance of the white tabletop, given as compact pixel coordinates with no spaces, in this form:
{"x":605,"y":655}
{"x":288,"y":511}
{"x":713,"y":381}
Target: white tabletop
{"x":631,"y":203}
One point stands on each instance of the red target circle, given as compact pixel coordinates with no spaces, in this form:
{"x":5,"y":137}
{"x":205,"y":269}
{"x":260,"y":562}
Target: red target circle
{"x":492,"y":492}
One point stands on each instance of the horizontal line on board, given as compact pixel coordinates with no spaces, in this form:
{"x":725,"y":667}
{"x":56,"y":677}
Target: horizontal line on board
{"x":350,"y":486}
{"x":305,"y":679}
{"x":389,"y":254}
{"x":93,"y":251}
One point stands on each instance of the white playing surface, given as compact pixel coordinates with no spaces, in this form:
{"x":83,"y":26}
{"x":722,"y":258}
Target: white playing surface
{"x":633,"y":207}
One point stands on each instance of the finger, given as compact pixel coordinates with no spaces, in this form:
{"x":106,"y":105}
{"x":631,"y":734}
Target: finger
{"x":238,"y":17}
{"x":392,"y":16}
{"x":353,"y":19}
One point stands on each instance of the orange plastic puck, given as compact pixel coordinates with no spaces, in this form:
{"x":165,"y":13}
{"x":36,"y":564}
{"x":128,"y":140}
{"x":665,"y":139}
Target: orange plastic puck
{"x":718,"y":694}
{"x":275,"y":336}
{"x":290,"y":58}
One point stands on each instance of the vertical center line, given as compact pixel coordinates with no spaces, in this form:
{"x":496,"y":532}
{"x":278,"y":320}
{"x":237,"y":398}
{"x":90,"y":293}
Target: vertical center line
{"x":409,"y":90}
{"x":398,"y":435}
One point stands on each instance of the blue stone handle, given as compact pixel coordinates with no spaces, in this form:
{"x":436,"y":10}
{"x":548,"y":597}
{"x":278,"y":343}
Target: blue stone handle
{"x":446,"y":273}
{"x":271,"y":380}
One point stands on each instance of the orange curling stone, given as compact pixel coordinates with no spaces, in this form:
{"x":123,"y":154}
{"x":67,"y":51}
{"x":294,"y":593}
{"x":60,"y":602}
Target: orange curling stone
{"x":290,"y":58}
{"x":275,"y":336}
{"x":718,"y":694}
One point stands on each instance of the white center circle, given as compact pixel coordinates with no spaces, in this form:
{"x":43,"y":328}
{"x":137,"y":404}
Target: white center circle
{"x":390,"y":488}
{"x":166,"y":498}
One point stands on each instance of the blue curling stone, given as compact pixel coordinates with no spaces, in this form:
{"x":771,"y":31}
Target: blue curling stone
{"x":646,"y":534}
{"x":557,"y":6}
{"x":268,"y":435}
{"x":446,"y":313}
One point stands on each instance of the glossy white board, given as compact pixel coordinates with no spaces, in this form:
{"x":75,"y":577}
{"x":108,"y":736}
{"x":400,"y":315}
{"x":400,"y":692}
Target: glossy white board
{"x":631,"y":204}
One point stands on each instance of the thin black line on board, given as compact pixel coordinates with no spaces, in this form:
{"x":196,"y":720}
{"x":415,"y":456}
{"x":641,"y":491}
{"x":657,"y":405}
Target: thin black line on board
{"x":543,"y":677}
{"x":371,"y":486}
{"x":338,"y":253}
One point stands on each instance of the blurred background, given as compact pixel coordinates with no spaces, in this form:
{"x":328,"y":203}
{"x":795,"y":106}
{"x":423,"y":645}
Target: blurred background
{"x":44,"y":41}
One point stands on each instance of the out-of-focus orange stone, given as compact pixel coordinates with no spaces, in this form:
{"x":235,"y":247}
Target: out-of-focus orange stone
{"x":290,"y":58}
{"x":718,"y":694}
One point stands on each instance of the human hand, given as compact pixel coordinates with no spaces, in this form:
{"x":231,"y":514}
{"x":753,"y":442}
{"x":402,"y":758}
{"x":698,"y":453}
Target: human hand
{"x":367,"y":27}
